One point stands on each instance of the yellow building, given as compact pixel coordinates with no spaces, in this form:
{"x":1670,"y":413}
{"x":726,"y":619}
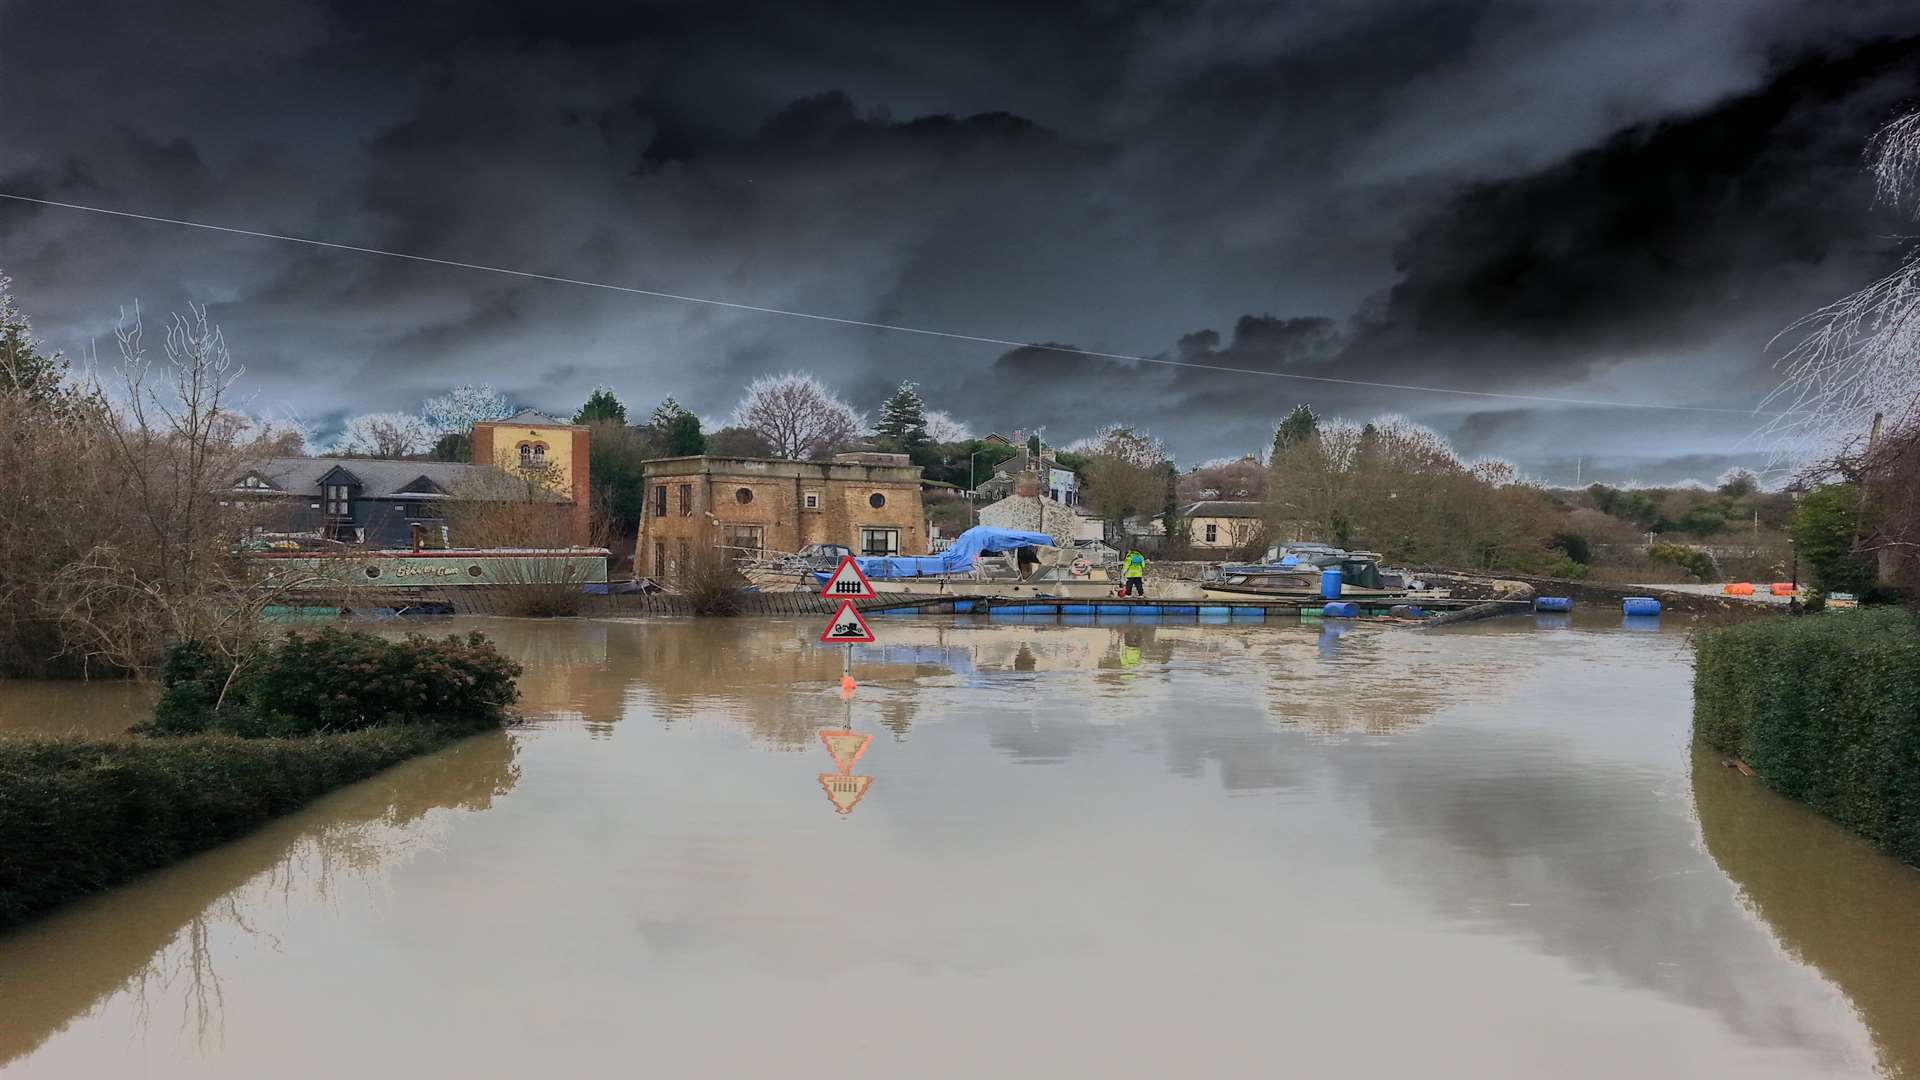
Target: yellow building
{"x":531,"y":440}
{"x":1219,"y":526}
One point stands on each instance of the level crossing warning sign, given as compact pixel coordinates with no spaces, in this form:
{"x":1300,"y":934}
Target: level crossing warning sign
{"x":847,"y":582}
{"x":845,"y":791}
{"x":847,"y":627}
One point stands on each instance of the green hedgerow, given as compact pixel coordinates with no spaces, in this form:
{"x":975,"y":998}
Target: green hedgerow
{"x":1826,"y":708}
{"x":80,"y":815}
{"x":336,"y":680}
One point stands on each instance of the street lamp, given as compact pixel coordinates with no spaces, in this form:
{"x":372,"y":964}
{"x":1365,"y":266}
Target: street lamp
{"x":973,"y":496}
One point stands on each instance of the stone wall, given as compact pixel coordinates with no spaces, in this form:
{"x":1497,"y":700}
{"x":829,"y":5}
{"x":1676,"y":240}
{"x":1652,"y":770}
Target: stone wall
{"x":1033,"y":513}
{"x":793,"y":503}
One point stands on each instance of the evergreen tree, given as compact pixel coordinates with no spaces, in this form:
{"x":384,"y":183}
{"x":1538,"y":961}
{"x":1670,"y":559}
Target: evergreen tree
{"x":903,"y":419}
{"x":682,"y":437}
{"x":25,"y":371}
{"x":1299,"y":426}
{"x":664,"y":414}
{"x":601,"y":405}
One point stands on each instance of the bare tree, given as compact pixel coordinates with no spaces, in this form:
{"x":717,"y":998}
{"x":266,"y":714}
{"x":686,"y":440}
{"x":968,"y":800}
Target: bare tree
{"x":798,"y":416}
{"x":384,"y":435}
{"x":456,"y":411}
{"x":160,"y":564}
{"x":1859,"y":356}
{"x":943,"y":428}
{"x":1128,"y":473}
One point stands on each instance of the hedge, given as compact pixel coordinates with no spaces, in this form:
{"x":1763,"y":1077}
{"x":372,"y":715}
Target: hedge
{"x":1826,"y":709}
{"x":335,"y":680}
{"x":307,"y":715}
{"x":79,"y":815}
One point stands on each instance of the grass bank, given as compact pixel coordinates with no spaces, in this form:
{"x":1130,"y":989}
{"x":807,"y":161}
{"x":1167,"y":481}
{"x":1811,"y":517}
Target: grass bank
{"x":1826,"y":709}
{"x":79,"y":815}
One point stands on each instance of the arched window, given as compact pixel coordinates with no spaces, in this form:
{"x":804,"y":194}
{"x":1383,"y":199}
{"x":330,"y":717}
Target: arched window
{"x":533,"y":454}
{"x":539,"y":453}
{"x":526,"y":455}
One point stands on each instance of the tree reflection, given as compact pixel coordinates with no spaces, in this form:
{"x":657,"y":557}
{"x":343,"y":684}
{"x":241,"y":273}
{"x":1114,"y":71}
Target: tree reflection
{"x":154,"y":939}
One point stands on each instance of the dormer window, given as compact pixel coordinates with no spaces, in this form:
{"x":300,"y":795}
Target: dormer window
{"x":338,"y":502}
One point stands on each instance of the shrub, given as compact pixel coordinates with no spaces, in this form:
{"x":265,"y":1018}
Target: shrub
{"x":710,"y":582}
{"x":1574,"y":546}
{"x":1826,"y":709}
{"x":1697,"y":564}
{"x":80,"y":815}
{"x":1826,"y":527}
{"x":336,"y":680}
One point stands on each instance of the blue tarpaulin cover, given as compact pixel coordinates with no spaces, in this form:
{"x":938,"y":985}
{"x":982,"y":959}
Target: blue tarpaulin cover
{"x":957,"y":559}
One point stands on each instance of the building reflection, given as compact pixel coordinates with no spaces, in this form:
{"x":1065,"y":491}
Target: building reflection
{"x":1829,"y":898}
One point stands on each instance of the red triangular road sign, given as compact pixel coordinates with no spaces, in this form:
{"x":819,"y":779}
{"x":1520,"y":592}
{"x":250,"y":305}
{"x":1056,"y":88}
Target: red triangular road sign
{"x":845,"y":791}
{"x":847,"y":582}
{"x":846,"y":627}
{"x":846,"y":747}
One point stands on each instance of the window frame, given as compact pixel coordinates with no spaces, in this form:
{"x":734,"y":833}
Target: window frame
{"x":660,"y":500}
{"x":730,"y":533}
{"x":868,"y":532}
{"x":336,"y":500}
{"x":686,"y":500}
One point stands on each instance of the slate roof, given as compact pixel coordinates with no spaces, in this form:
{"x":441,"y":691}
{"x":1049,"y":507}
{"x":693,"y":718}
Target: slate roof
{"x":379,"y":478}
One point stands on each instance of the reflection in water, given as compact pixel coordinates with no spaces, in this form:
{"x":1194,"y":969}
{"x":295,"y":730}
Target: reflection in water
{"x":98,"y":707}
{"x":150,"y":939}
{"x":843,"y":789}
{"x":1830,"y":898}
{"x":1478,"y":832}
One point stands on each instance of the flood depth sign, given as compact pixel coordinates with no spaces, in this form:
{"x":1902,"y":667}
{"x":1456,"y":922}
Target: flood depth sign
{"x":847,"y":627}
{"x":847,"y":582}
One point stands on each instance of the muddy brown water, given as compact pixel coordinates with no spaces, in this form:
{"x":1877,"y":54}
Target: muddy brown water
{"x":1150,"y":851}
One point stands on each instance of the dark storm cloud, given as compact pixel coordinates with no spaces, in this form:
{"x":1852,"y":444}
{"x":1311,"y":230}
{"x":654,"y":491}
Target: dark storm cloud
{"x":1545,"y":198}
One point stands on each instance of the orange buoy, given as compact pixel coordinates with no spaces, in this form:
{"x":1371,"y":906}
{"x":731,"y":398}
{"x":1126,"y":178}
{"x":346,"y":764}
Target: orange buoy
{"x":846,"y":686}
{"x":1781,"y":588}
{"x":1739,"y":588}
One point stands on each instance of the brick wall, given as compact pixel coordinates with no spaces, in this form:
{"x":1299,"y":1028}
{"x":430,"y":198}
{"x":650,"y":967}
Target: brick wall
{"x":776,"y":502}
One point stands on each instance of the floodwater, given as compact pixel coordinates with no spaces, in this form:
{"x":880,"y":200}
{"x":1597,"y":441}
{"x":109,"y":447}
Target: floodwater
{"x":1134,"y":851}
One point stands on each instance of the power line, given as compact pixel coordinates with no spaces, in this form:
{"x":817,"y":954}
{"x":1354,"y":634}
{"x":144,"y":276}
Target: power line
{"x":897,"y":328}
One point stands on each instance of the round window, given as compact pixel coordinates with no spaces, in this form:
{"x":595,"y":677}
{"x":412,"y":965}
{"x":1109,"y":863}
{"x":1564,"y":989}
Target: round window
{"x":743,"y":496}
{"x":373,"y":571}
{"x":474,"y":570}
{"x":876,"y":500}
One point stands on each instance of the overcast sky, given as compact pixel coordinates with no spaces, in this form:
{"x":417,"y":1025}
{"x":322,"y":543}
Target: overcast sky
{"x":1610,"y":201}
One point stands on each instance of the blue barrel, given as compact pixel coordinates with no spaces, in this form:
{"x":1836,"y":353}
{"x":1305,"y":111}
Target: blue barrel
{"x":1345,"y":610}
{"x":1330,"y":583}
{"x":1553,"y":603}
{"x":1640,"y":605}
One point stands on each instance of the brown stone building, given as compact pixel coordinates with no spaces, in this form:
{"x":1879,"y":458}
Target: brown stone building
{"x":531,"y":442}
{"x":868,"y":502}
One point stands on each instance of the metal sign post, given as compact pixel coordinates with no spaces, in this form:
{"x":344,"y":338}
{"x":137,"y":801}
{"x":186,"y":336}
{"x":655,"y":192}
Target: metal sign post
{"x":848,"y":628}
